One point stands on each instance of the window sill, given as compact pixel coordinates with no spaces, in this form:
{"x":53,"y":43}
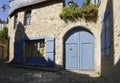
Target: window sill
{"x":26,"y":26}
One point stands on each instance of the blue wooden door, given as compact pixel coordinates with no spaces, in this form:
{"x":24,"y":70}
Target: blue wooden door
{"x":79,"y":50}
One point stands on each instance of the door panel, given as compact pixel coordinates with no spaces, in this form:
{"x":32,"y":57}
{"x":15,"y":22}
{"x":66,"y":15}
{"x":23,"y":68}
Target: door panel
{"x":73,"y":37}
{"x":86,"y":57}
{"x":86,"y":37}
{"x":71,"y":56}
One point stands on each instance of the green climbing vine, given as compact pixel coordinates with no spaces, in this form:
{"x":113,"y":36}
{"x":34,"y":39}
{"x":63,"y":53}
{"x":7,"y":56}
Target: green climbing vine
{"x":89,"y":12}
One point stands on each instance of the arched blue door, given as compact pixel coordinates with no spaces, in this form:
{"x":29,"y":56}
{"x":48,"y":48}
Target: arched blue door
{"x":79,"y":50}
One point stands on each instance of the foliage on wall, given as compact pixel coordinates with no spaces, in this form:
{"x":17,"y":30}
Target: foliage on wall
{"x":89,"y":12}
{"x":4,"y":33}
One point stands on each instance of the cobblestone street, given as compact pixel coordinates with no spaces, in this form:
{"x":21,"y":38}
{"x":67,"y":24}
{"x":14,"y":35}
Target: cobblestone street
{"x":9,"y":74}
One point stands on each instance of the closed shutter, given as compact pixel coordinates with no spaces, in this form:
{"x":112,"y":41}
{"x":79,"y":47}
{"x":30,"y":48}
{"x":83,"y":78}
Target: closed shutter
{"x":50,"y":51}
{"x":18,"y":52}
{"x":106,"y":35}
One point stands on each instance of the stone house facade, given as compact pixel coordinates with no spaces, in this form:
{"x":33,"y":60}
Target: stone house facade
{"x":45,"y":25}
{"x":110,"y":66}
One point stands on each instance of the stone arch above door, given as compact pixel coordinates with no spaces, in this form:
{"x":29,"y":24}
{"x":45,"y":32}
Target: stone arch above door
{"x":91,"y":27}
{"x":79,"y":49}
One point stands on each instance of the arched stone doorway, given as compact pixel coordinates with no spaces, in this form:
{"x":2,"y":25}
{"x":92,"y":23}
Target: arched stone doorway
{"x":79,"y":50}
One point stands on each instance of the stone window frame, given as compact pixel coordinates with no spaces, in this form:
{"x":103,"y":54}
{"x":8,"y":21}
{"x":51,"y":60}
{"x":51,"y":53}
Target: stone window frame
{"x":98,"y":2}
{"x":15,"y":21}
{"x":27,"y":17}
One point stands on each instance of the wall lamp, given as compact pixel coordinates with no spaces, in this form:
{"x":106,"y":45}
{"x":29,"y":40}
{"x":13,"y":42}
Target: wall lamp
{"x":3,"y":8}
{"x":70,"y":2}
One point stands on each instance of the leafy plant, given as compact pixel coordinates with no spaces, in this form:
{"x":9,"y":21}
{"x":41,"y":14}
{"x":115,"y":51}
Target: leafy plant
{"x":69,"y":12}
{"x":4,"y":33}
{"x":85,"y":3}
{"x":88,"y":12}
{"x":74,"y":5}
{"x":98,"y":73}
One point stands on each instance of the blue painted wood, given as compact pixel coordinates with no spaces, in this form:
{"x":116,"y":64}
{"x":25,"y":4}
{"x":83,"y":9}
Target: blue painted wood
{"x":71,"y":42}
{"x":50,"y":45}
{"x":50,"y":51}
{"x":72,"y":56}
{"x":18,"y":52}
{"x":79,"y":2}
{"x":48,"y":60}
{"x":87,"y":50}
{"x":32,"y":60}
{"x":72,"y":37}
{"x":87,"y":58}
{"x":106,"y":34}
{"x":82,"y":43}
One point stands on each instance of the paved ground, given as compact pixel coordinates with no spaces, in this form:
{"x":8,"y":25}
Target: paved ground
{"x":9,"y":74}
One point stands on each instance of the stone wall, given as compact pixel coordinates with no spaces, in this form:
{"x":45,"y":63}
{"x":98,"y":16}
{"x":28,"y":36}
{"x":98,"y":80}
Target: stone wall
{"x":45,"y":21}
{"x":110,"y":66}
{"x":4,"y":46}
{"x":116,"y":25}
{"x":116,"y":41}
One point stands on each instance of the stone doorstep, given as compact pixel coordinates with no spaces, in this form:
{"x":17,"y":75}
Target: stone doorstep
{"x":87,"y":72}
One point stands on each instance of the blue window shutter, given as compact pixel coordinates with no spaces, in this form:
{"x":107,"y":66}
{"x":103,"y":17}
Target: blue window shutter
{"x":106,"y":35}
{"x":50,"y":51}
{"x":18,"y":52}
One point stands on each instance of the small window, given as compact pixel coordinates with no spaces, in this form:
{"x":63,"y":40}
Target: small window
{"x":35,"y":48}
{"x":97,"y":2}
{"x":27,"y":18}
{"x":15,"y":21}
